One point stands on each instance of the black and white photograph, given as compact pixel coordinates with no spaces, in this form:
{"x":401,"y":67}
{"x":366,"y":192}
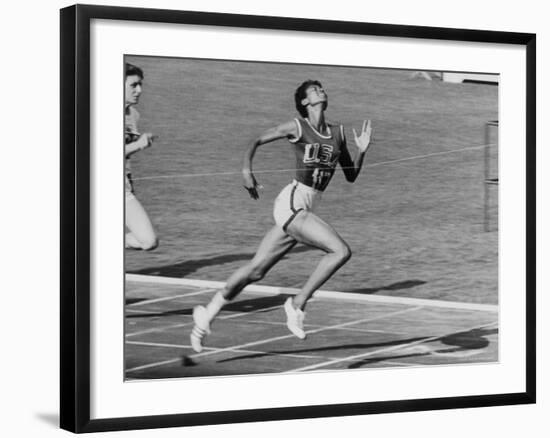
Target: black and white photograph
{"x":273,"y":218}
{"x":270,"y":219}
{"x":286,"y":218}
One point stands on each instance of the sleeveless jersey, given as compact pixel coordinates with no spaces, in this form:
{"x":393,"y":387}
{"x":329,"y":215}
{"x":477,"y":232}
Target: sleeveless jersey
{"x":131,"y":133}
{"x":316,"y":154}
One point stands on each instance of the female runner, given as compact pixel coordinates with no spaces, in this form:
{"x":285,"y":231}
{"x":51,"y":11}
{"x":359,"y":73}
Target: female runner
{"x":141,"y":234}
{"x":319,"y":146}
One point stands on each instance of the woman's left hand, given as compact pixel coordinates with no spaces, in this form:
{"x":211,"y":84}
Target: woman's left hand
{"x":362,"y":141}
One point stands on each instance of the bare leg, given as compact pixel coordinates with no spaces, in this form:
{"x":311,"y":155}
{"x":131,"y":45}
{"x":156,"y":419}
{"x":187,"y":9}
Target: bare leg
{"x":141,"y":235}
{"x":312,"y":230}
{"x":273,"y":247}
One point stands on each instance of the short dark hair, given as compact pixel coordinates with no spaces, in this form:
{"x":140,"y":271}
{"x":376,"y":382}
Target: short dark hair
{"x":300,"y":95}
{"x":132,"y":70}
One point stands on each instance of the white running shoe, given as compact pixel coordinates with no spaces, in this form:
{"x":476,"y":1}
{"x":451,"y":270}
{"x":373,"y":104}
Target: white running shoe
{"x":201,"y":328}
{"x":294,"y":319}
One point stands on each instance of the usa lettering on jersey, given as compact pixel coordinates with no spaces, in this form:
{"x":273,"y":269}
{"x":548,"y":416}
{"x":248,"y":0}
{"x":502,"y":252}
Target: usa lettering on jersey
{"x":317,"y":153}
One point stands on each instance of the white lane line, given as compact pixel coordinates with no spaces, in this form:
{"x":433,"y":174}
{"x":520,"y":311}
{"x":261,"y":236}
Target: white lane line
{"x":157,"y":364}
{"x":185,"y":324}
{"x":156,"y":279}
{"x":188,"y":347}
{"x":273,"y":290}
{"x":321,"y":329}
{"x":354,"y":329}
{"x":380,"y":163}
{"x":139,"y":311}
{"x":278,"y":338}
{"x":259,"y":322}
{"x":383,"y":350}
{"x":403,"y":364}
{"x":172,"y":297}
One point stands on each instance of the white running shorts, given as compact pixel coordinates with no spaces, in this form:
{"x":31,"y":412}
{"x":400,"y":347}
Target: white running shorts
{"x":294,"y":198}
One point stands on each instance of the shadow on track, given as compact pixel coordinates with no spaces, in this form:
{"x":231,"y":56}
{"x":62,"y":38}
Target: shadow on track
{"x":326,"y":348}
{"x":243,"y":306}
{"x":183,"y":269}
{"x":407,"y":284}
{"x":462,"y":342}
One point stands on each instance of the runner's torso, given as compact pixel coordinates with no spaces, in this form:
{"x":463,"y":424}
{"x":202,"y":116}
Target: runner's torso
{"x":131,"y":133}
{"x":316,"y":154}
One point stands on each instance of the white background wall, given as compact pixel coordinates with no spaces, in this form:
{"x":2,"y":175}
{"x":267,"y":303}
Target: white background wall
{"x":29,"y":168}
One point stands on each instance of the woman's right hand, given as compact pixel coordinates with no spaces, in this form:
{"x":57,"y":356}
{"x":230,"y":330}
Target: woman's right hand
{"x":250,"y":184}
{"x":145,"y":140}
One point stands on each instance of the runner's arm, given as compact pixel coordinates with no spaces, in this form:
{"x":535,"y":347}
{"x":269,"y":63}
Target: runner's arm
{"x":351,"y":167}
{"x":284,"y":130}
{"x":144,"y":141}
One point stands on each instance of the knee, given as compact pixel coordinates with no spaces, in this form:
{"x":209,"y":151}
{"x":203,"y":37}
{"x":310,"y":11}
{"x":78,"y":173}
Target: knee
{"x":343,"y":252}
{"x":150,"y":243}
{"x":255,"y":273}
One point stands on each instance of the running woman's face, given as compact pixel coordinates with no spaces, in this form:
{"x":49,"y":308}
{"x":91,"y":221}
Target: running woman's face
{"x":133,"y":89}
{"x":315,"y":94}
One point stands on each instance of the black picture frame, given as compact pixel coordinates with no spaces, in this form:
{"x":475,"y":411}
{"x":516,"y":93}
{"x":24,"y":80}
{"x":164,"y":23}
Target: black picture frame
{"x":75,"y":217}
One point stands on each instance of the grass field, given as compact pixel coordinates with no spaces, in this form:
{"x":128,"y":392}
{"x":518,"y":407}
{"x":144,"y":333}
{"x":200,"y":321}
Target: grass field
{"x":414,"y":217}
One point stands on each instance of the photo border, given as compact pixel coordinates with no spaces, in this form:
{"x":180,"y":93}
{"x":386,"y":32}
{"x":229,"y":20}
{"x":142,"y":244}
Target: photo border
{"x":75,"y":245}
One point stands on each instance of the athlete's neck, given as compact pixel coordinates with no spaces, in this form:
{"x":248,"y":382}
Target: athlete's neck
{"x":317,"y":120}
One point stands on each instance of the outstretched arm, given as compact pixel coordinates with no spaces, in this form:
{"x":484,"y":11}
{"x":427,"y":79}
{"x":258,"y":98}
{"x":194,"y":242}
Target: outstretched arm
{"x":144,"y":141}
{"x":352,"y":167}
{"x":285,"y":130}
